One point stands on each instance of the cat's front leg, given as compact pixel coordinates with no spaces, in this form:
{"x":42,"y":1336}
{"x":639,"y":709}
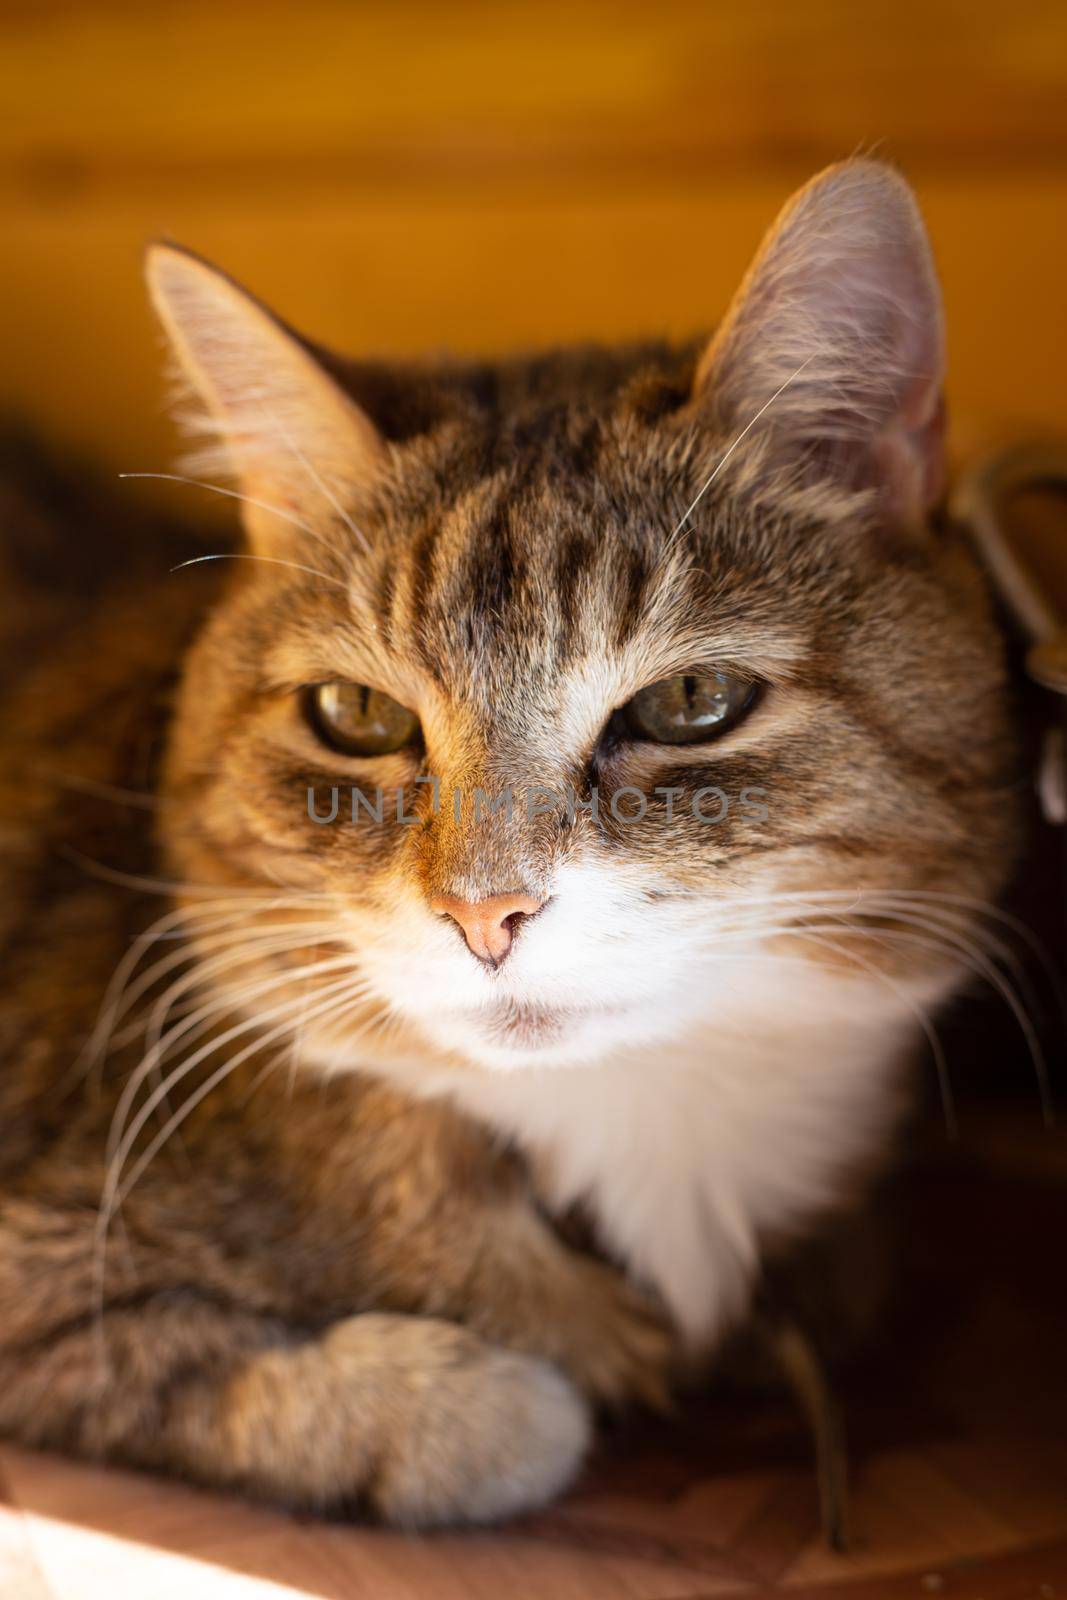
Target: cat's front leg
{"x":461,"y":1231}
{"x":526,"y":1288}
{"x":416,"y":1420}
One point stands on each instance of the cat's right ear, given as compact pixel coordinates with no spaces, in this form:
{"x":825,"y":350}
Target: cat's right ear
{"x":828,"y":366}
{"x":288,"y":433}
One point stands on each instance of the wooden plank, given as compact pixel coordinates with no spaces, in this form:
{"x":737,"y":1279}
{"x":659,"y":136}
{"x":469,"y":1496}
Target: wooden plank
{"x":220,"y":94}
{"x":491,"y":176}
{"x":82,"y":357}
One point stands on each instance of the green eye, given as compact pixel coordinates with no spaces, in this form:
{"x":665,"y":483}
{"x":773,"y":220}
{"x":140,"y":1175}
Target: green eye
{"x":358,"y":720}
{"x":689,"y":709}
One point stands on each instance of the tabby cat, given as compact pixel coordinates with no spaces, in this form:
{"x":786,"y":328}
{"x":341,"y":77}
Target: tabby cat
{"x":367,"y":1123}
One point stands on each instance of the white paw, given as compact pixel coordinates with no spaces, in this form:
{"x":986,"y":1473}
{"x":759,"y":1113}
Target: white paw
{"x":489,"y":1434}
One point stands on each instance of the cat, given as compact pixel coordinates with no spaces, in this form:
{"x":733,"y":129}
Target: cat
{"x":354,"y":1163}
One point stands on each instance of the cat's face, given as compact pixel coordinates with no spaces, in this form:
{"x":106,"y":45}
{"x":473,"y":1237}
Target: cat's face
{"x":625,"y":771}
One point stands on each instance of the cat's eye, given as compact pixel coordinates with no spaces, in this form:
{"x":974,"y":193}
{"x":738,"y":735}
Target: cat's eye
{"x":688,"y":709}
{"x":358,"y":720}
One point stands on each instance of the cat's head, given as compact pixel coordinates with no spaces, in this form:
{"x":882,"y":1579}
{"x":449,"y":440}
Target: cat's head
{"x":660,"y":702}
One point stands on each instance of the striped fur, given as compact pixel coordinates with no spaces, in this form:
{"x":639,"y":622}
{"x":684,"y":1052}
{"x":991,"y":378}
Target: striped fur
{"x":354,"y":1280}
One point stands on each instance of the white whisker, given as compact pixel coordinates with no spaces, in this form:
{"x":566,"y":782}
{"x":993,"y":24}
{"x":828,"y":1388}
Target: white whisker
{"x":231,"y":494}
{"x":131,"y":880}
{"x":271,"y":561}
{"x":218,"y":1003}
{"x":324,"y":489}
{"x":724,"y":458}
{"x":114,"y":1190}
{"x":948,"y":1103}
{"x":212,"y":1082}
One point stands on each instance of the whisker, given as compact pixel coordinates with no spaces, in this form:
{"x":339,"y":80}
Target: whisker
{"x":271,"y":561}
{"x":977,"y":962}
{"x":112,"y":1196}
{"x":948,"y":1102}
{"x":231,"y":494}
{"x":201,"y":972}
{"x":253,"y":941}
{"x":724,"y":458}
{"x":1015,"y":924}
{"x":887,"y":902}
{"x":219,"y":1003}
{"x":939,"y":928}
{"x":121,"y":975}
{"x":222,"y":996}
{"x":131,"y":880}
{"x":327,"y":996}
{"x":102,"y":791}
{"x":324,"y":489}
{"x":177,"y":917}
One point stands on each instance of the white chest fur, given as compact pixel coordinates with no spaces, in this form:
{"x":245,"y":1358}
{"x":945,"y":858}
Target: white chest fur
{"x":688,"y":1157}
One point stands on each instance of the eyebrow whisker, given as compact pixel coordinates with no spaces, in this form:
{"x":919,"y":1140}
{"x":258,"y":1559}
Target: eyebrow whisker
{"x":724,"y":458}
{"x":231,"y":494}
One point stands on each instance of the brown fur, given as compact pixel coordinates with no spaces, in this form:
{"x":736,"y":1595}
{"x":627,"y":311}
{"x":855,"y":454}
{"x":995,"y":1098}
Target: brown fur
{"x":322,"y":1290}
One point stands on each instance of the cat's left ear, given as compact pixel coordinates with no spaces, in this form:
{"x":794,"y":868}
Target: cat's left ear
{"x":290,"y":435}
{"x":841,"y":313}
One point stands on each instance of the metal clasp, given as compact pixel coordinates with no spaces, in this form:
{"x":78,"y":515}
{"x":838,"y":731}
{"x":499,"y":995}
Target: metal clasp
{"x":979,"y":501}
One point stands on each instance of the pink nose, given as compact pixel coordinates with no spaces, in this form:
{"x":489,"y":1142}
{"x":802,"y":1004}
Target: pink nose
{"x":488,"y":925}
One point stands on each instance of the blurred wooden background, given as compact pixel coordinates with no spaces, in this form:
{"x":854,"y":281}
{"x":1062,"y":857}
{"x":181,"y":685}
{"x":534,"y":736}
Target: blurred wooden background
{"x":414,"y":175}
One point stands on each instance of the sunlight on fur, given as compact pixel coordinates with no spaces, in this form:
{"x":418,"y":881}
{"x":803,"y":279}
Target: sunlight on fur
{"x":347,"y":1086}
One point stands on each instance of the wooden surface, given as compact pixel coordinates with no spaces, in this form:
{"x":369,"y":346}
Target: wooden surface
{"x":959,"y":1425}
{"x":485,"y":175}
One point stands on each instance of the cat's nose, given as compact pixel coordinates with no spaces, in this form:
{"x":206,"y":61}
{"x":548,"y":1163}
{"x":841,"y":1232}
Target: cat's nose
{"x":488,"y":925}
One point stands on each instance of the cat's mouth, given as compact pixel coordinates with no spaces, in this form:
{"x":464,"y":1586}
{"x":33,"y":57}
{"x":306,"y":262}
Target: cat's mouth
{"x":510,"y":1022}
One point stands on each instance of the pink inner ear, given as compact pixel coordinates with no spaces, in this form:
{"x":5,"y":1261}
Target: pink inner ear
{"x":909,"y":456}
{"x":928,"y":446}
{"x":844,"y":291}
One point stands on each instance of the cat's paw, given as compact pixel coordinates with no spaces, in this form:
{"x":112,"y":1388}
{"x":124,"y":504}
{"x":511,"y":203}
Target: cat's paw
{"x":616,"y":1344}
{"x":474,"y":1432}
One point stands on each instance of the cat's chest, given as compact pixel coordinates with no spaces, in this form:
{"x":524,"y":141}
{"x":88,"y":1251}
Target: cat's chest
{"x":687,"y":1161}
